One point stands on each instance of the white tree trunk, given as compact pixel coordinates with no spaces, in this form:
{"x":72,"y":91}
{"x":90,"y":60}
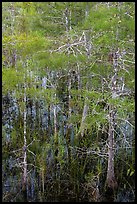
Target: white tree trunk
{"x":55,"y":119}
{"x":25,"y":146}
{"x":88,"y":52}
{"x":84,"y":115}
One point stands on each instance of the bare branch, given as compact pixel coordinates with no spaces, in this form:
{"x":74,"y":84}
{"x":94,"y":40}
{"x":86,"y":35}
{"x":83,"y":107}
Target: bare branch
{"x":126,"y":121}
{"x":31,"y":152}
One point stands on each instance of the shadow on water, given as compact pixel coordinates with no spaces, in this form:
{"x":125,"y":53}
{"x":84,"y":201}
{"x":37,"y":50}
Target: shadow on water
{"x":55,"y":190}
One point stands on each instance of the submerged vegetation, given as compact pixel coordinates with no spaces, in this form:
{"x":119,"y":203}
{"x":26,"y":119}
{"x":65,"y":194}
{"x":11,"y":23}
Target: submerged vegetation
{"x":68,"y":112}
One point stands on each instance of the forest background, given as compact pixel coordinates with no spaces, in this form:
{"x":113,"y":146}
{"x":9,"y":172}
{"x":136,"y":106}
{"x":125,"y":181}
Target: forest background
{"x":68,"y":112}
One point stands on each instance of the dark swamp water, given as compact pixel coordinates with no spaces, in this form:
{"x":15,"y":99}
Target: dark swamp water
{"x":55,"y":172}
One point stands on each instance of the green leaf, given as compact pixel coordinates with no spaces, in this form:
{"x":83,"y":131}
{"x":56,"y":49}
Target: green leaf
{"x":132,"y":172}
{"x":128,"y":172}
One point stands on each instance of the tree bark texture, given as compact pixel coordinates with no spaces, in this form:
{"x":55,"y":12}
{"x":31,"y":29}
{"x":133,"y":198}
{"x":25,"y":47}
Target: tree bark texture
{"x":111,"y":181}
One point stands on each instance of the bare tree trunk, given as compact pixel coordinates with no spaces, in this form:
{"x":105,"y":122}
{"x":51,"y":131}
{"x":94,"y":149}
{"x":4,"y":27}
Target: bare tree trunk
{"x":25,"y":148}
{"x":67,"y":20}
{"x":55,"y":135}
{"x":87,"y":35}
{"x":111,"y":182}
{"x":70,"y":20}
{"x":55,"y":120}
{"x":69,"y":97}
{"x":78,"y":75}
{"x":84,"y":115}
{"x":56,"y":150}
{"x":49,"y":125}
{"x":87,"y":10}
{"x":69,"y":125}
{"x":88,"y":52}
